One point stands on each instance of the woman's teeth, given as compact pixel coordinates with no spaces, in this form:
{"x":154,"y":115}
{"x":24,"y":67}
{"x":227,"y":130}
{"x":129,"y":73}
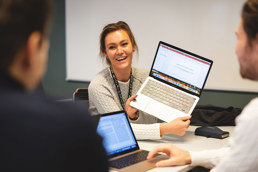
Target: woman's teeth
{"x":120,"y":59}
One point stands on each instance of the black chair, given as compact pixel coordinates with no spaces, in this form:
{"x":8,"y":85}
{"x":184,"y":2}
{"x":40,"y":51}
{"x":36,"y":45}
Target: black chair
{"x":81,"y":94}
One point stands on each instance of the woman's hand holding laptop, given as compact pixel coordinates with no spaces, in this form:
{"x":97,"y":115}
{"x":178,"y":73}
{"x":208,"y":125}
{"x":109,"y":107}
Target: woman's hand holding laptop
{"x":131,"y":111}
{"x":178,"y":126}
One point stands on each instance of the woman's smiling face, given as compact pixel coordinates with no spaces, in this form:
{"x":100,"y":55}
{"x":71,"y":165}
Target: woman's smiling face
{"x":119,"y":50}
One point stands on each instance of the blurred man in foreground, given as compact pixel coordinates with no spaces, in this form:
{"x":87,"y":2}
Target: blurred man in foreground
{"x":37,"y":134}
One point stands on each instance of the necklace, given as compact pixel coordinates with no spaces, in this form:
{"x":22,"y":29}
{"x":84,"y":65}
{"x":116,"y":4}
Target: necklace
{"x":118,"y":87}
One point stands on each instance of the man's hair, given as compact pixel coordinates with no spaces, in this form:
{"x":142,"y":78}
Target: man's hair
{"x":250,"y":19}
{"x":18,"y":19}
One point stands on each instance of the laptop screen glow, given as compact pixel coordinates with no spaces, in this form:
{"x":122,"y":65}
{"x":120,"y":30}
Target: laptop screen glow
{"x":171,"y":64}
{"x":116,"y":132}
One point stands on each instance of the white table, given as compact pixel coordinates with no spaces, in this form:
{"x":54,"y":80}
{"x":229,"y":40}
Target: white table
{"x":189,"y":142}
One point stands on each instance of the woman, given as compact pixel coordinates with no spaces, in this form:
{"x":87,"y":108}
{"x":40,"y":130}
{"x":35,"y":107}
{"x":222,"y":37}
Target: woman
{"x":112,"y":88}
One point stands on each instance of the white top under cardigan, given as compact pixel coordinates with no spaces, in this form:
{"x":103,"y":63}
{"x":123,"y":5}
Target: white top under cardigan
{"x":103,"y":98}
{"x":242,"y":153}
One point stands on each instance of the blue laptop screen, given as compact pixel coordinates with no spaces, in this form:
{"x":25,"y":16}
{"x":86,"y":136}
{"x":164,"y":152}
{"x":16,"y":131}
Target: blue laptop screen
{"x":116,"y":132}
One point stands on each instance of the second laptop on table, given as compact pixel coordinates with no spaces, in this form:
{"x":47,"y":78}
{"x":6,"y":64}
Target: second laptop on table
{"x":121,"y":146}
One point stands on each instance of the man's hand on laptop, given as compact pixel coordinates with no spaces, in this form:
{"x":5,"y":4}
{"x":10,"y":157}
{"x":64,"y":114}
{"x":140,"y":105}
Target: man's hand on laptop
{"x":177,"y":126}
{"x":131,"y":111}
{"x":176,"y":155}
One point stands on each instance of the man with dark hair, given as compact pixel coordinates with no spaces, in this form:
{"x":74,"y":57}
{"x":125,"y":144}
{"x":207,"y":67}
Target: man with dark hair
{"x":242,"y":155}
{"x":37,"y":134}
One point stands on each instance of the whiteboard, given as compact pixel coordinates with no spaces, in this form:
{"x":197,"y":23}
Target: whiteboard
{"x":204,"y":27}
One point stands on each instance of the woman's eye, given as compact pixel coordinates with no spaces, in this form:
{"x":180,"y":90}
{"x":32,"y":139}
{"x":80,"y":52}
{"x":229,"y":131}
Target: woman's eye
{"x":112,"y":47}
{"x":124,"y":44}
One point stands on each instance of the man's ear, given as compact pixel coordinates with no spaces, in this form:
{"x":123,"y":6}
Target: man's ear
{"x":32,"y":48}
{"x":255,"y":43}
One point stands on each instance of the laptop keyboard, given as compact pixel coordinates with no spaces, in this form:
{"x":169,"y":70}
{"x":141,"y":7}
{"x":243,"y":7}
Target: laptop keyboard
{"x":129,"y":159}
{"x":168,"y":96}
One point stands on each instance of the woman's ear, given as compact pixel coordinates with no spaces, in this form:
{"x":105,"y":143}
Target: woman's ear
{"x":134,"y":48}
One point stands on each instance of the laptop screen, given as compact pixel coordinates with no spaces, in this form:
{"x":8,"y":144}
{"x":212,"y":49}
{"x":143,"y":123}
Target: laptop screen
{"x":180,"y":68}
{"x":118,"y":137}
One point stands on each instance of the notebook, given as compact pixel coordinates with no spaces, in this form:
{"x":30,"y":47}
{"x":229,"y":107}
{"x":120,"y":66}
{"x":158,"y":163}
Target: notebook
{"x":174,"y":84}
{"x":121,"y":146}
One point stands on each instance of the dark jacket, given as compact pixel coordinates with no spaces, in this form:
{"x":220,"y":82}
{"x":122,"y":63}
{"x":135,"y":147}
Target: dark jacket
{"x":211,"y":115}
{"x":38,"y":134}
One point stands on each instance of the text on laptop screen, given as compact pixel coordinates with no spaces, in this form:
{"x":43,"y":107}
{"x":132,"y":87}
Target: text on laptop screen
{"x":171,"y":64}
{"x":116,"y":133}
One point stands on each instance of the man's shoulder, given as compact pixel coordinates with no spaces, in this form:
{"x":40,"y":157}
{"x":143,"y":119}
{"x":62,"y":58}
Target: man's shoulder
{"x":46,"y":108}
{"x":250,"y":110}
{"x":49,"y":129}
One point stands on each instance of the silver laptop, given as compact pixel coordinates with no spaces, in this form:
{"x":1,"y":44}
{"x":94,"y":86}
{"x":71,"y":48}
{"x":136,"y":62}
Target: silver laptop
{"x":174,"y":84}
{"x":121,"y":145}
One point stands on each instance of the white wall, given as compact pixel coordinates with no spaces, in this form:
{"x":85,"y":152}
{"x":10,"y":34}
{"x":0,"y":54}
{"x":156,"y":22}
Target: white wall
{"x":205,"y":27}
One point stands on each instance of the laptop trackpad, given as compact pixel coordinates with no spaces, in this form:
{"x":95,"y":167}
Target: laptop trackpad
{"x":167,"y":113}
{"x":146,"y":165}
{"x":141,"y":102}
